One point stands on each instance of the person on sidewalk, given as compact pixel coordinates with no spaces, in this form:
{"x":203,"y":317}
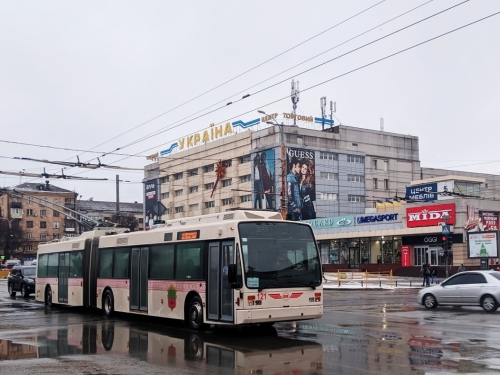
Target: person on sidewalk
{"x":426,"y":274}
{"x":434,"y":275}
{"x":461,"y":268}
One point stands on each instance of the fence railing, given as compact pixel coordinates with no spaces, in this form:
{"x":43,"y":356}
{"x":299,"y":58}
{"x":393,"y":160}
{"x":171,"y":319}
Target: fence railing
{"x":364,"y":279}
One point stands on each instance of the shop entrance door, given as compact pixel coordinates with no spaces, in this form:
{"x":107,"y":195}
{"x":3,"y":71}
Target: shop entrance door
{"x":353,"y":257}
{"x":421,"y":255}
{"x":433,"y":255}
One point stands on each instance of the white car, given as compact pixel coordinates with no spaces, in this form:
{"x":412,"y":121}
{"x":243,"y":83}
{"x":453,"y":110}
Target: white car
{"x":470,"y":288}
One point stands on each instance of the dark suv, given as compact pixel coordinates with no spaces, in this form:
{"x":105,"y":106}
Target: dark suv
{"x":21,"y":279}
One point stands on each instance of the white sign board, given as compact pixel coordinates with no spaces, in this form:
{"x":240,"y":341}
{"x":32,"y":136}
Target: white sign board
{"x":483,"y":244}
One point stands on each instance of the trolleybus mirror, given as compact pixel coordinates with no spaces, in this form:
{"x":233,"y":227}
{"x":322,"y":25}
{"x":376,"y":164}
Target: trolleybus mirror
{"x":231,"y":274}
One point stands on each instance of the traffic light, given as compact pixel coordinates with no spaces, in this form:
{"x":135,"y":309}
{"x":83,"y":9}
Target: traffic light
{"x":449,"y":242}
{"x":444,"y":243}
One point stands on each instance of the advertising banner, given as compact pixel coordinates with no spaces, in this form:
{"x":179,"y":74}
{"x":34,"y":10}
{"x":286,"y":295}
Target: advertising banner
{"x":490,"y":220}
{"x":378,"y":219}
{"x":150,"y":199}
{"x":301,"y":184}
{"x":426,"y":216}
{"x":483,"y":245}
{"x":332,"y":222}
{"x":482,"y":221}
{"x":263,"y":177}
{"x":430,"y":192}
{"x":405,"y":256}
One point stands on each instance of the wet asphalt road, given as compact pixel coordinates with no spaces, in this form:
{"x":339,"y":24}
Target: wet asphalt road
{"x":361,"y":332}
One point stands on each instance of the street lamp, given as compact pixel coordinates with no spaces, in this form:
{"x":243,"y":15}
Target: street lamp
{"x":446,"y":217}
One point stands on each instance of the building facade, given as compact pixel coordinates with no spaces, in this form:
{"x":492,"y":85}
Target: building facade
{"x":40,"y":211}
{"x":127,"y":213}
{"x":328,"y":177}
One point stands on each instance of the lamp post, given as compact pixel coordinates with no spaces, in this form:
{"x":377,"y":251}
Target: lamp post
{"x":446,"y":217}
{"x":283,"y":208}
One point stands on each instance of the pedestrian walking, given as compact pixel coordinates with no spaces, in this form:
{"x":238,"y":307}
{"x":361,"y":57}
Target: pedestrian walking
{"x":461,"y":268}
{"x":426,"y":274}
{"x":434,"y":275}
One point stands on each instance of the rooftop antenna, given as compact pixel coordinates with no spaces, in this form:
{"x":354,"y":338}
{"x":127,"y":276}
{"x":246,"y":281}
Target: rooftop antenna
{"x":322,"y":105}
{"x":295,"y":96}
{"x":381,"y":124}
{"x":333,"y":109}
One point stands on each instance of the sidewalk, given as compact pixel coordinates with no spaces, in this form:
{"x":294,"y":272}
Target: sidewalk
{"x":331,"y":281}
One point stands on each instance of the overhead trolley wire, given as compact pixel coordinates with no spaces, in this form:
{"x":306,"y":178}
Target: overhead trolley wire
{"x":169,"y":127}
{"x":245,"y":72}
{"x":334,"y":78}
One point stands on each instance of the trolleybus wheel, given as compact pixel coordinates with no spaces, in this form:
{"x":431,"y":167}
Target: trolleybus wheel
{"x":48,"y":297}
{"x":195,"y":313}
{"x":108,"y":303}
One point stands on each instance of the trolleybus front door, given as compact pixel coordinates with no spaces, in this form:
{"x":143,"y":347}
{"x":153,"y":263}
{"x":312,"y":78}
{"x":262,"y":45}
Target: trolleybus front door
{"x":139,"y":279}
{"x":62,"y":284}
{"x":220,"y":294}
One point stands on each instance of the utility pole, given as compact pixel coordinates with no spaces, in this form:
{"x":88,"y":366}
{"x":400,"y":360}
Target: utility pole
{"x":118,"y":197}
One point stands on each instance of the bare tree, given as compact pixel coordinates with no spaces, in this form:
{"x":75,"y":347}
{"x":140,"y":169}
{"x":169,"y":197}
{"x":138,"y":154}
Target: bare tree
{"x":11,"y":237}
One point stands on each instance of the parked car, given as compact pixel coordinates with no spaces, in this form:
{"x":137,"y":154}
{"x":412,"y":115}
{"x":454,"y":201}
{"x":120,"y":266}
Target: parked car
{"x":21,"y":279}
{"x":11,"y":263}
{"x":470,"y":288}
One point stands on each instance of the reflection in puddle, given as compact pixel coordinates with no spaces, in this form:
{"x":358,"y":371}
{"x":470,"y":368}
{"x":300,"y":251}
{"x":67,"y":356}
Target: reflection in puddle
{"x":224,"y":349}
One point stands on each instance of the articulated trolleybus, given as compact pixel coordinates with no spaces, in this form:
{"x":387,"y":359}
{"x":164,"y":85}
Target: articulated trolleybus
{"x":233,"y":268}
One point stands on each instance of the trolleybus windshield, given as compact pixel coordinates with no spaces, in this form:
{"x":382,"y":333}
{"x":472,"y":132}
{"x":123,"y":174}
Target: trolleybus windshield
{"x":279,"y":255}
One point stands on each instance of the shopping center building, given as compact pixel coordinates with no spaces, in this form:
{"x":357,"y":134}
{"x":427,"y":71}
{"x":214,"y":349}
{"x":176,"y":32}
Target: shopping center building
{"x":343,"y":180}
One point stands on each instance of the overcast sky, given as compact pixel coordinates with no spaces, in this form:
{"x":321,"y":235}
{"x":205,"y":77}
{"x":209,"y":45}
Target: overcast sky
{"x":89,"y":75}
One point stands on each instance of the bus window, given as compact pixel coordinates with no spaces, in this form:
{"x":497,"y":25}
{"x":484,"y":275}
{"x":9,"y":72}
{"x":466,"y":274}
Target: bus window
{"x":120,"y":265}
{"x":75,"y":264}
{"x":189,"y":261}
{"x":42,"y":265}
{"x":279,"y":254}
{"x":53,"y":262}
{"x":106,"y":263}
{"x":161,"y":261}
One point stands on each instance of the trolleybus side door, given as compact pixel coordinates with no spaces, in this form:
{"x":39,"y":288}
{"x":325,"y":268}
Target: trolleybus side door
{"x":139,"y":279}
{"x":63,"y":274}
{"x":220,"y":297}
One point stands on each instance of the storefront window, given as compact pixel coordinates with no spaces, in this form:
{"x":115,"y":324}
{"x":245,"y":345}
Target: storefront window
{"x":365,"y":250}
{"x":397,"y":249}
{"x":334,"y":251}
{"x":387,"y":251}
{"x":344,"y":251}
{"x":325,"y":251}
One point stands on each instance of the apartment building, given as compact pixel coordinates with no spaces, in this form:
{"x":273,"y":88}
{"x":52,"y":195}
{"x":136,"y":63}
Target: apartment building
{"x":41,"y":211}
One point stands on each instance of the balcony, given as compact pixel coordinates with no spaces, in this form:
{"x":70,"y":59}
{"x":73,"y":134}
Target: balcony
{"x":71,"y":206}
{"x":69,"y":229}
{"x":16,"y":205}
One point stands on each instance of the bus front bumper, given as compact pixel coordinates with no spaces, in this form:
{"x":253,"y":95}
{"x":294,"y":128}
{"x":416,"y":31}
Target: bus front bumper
{"x":278,"y":314}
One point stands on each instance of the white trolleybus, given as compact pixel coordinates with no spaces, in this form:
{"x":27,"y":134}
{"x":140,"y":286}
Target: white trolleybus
{"x":237,"y":267}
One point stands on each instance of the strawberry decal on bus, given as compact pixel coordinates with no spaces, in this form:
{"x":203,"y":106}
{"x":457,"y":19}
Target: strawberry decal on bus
{"x":172,"y":297}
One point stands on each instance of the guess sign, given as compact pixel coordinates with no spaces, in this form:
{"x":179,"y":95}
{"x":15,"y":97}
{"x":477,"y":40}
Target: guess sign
{"x":426,"y":216}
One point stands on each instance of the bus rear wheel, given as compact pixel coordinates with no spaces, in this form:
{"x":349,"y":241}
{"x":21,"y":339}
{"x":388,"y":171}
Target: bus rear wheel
{"x":195,"y":313}
{"x":48,"y":297}
{"x":108,"y":304}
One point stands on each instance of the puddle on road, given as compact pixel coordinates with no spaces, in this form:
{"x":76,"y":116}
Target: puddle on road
{"x":258,"y":350}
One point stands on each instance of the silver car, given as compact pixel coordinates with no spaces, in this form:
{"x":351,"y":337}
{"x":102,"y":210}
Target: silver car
{"x":471,"y":288}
